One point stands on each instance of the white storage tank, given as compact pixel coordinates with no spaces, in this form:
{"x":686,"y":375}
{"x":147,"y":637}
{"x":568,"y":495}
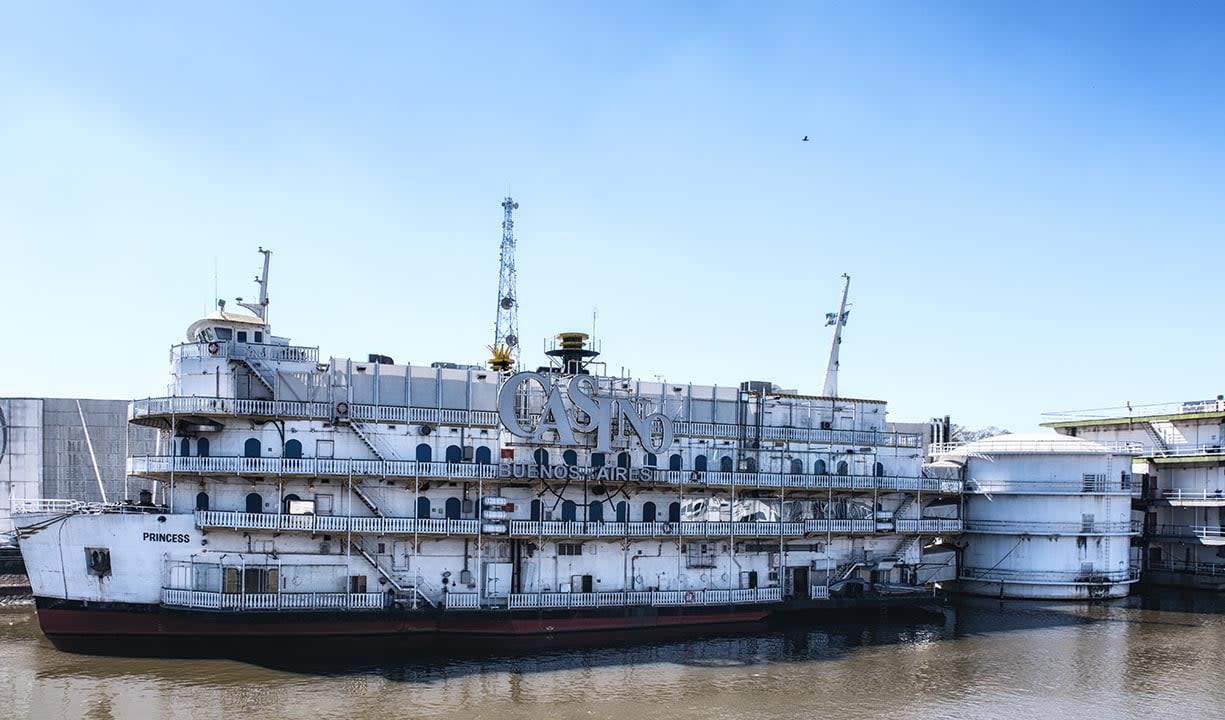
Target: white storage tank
{"x":1046,"y":516}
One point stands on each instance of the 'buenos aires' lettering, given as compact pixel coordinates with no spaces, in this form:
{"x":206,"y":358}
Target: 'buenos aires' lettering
{"x":532,"y":471}
{"x":590,"y":414}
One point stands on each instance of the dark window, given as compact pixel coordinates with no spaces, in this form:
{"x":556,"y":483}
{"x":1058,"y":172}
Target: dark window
{"x":568,"y":510}
{"x":699,"y":463}
{"x":595,"y":511}
{"x":255,"y":503}
{"x":484,"y":455}
{"x":202,"y":447}
{"x":452,"y":510}
{"x":880,"y":470}
{"x":185,"y":447}
{"x":623,"y":511}
{"x":674,"y":512}
{"x":535,"y":509}
{"x":623,"y":460}
{"x":648,"y":512}
{"x":202,"y":501}
{"x":224,"y":333}
{"x":424,"y":453}
{"x":455,"y":454}
{"x":674,"y":462}
{"x":242,"y":336}
{"x":750,"y":464}
{"x":569,"y":548}
{"x":251,"y":448}
{"x":651,"y":460}
{"x":293,"y":449}
{"x":259,"y":336}
{"x":819,"y":468}
{"x":797,"y":466}
{"x":726,"y":464}
{"x":541,"y":456}
{"x":423,"y":507}
{"x":569,"y":457}
{"x":843,"y":468}
{"x":597,"y":459}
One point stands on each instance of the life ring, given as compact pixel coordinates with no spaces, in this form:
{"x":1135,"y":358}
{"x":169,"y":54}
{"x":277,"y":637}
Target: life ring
{"x":213,"y":348}
{"x":689,"y":596}
{"x":667,"y":528}
{"x":342,"y":409}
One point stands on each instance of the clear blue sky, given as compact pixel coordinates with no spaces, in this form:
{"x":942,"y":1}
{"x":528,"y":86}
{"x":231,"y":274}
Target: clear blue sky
{"x":1030,"y":198}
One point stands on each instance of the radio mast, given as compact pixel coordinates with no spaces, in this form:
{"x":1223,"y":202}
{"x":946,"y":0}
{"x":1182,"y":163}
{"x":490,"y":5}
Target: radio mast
{"x":505,"y":348}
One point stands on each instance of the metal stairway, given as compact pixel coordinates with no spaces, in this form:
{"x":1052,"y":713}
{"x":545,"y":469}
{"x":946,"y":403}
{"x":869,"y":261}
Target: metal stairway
{"x":903,"y":546}
{"x":262,"y":371}
{"x":1159,"y":444}
{"x":357,"y":545}
{"x":366,"y":500}
{"x":371,"y":441}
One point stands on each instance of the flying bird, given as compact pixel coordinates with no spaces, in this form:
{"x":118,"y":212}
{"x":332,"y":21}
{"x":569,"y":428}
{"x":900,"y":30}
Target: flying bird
{"x":805,"y":139}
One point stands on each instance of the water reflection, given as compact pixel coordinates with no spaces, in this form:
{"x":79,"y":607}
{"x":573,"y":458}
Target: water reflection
{"x":1149,"y":657}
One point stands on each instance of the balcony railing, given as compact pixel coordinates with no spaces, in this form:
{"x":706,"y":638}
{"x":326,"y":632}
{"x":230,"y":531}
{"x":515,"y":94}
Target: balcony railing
{"x":1030,"y":527}
{"x":1057,"y":444}
{"x":335,"y":523}
{"x":1187,"y":451}
{"x":517,"y":601}
{"x":1194,"y":568}
{"x":534,"y":528}
{"x":1206,"y":534}
{"x":206,"y":406}
{"x":1183,"y":495}
{"x":1077,"y":486}
{"x":313,"y":467}
{"x":203,"y":600}
{"x":928,"y":525}
{"x":245,"y":351}
{"x":1050,"y":577}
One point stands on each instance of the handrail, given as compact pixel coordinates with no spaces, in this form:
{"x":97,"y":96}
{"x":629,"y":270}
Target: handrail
{"x":1031,"y":527}
{"x":517,"y":601}
{"x":1057,"y":444}
{"x":1181,"y":494}
{"x":238,"y":602}
{"x":1048,"y":577}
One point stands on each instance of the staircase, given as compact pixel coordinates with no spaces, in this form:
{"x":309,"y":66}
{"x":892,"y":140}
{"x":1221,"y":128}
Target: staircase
{"x":1159,"y":445}
{"x":265,"y":373}
{"x":372,"y":441}
{"x":904,"y":546}
{"x":366,"y":500}
{"x":901,"y":508}
{"x":357,"y":545}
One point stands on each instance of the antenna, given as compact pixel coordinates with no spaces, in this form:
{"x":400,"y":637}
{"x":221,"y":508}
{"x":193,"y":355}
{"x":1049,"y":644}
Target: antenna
{"x":838,"y":320}
{"x":260,"y":309}
{"x":505,"y":348}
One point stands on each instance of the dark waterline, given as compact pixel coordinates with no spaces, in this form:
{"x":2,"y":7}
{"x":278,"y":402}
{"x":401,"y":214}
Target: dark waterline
{"x":1158,"y":655}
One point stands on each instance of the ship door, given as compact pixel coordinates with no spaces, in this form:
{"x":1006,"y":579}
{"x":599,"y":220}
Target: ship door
{"x":799,"y":582}
{"x":748,"y":580}
{"x":399,"y":555}
{"x":588,"y":584}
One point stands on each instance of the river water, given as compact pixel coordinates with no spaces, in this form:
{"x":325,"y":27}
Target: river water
{"x":1152,"y":657}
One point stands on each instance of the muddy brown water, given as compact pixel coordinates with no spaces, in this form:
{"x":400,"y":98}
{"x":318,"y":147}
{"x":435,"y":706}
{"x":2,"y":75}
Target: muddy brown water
{"x":1162,"y":656}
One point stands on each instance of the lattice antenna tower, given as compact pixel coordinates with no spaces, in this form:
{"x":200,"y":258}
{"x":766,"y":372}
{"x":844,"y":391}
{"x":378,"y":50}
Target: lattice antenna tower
{"x":505,"y":346}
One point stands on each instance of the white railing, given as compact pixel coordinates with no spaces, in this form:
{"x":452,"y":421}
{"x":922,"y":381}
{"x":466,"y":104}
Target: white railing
{"x":840,"y":526}
{"x":1057,"y":444}
{"x":1208,"y":532}
{"x":272,"y":601}
{"x":1031,"y":527}
{"x":1077,"y":486}
{"x":297,"y":409}
{"x":1186,"y":450}
{"x":334,"y":523}
{"x":1179,"y":494}
{"x":578,"y":528}
{"x":40,"y":506}
{"x":516,"y":601}
{"x":1128,"y":412}
{"x":244,"y":351}
{"x":1195,"y":568}
{"x":463,"y":601}
{"x":927,"y":525}
{"x":1050,"y":577}
{"x":818,"y":592}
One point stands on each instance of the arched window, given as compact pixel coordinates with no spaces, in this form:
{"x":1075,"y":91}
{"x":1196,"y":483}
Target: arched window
{"x":255,"y":503}
{"x":251,"y":448}
{"x":623,"y":511}
{"x":623,"y":459}
{"x":536,"y":509}
{"x":674,"y":512}
{"x":541,"y":456}
{"x":452,"y":509}
{"x":699,"y":463}
{"x":185,"y":447}
{"x":293,"y":449}
{"x":750,"y":464}
{"x":595,"y":511}
{"x":843,"y":468}
{"x":285,"y":503}
{"x":880,"y":469}
{"x":648,"y":512}
{"x":455,"y":454}
{"x":797,"y":466}
{"x":569,"y":457}
{"x":819,"y":467}
{"x":484,"y":456}
{"x":651,"y":460}
{"x":202,"y":447}
{"x":202,"y":501}
{"x":423,"y":507}
{"x":424,"y":452}
{"x":674,"y":462}
{"x":597,"y":459}
{"x":568,"y":511}
{"x":726,"y":464}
